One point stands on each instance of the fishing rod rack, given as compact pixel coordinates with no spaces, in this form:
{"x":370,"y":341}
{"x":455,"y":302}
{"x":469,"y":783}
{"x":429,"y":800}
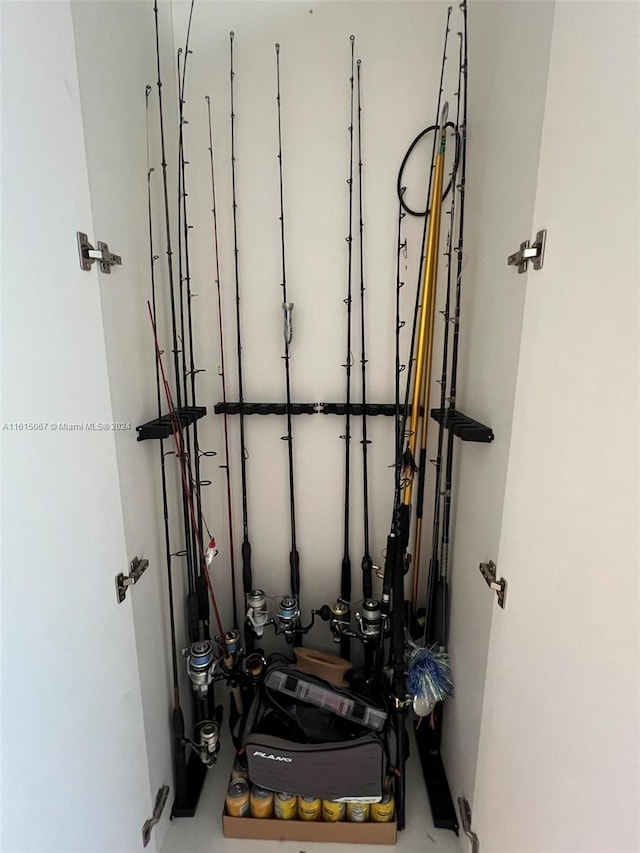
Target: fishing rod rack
{"x":162,"y":427}
{"x":462,"y":426}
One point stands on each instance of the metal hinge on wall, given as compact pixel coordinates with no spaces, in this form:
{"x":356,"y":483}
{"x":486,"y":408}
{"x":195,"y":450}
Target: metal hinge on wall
{"x":88,"y":255}
{"x":488,"y":572}
{"x":147,"y":826}
{"x":123,"y":582}
{"x":465,"y":819}
{"x":533,"y":252}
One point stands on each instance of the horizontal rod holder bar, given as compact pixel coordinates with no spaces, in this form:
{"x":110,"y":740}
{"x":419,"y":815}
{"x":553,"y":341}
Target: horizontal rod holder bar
{"x":355,"y":409}
{"x":462,"y":426}
{"x":162,"y":427}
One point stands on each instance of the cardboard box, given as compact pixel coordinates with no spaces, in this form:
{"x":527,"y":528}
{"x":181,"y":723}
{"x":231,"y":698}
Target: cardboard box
{"x":302,"y":830}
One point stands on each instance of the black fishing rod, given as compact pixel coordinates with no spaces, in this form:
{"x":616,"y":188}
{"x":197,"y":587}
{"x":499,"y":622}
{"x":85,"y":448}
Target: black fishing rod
{"x":367,"y":562}
{"x":434,"y":570}
{"x":176,"y":349}
{"x":247,"y":580}
{"x":189,"y":771}
{"x":163,"y":473}
{"x":287,"y":308}
{"x":222,"y":373}
{"x":345,"y":573}
{"x":438,"y":619}
{"x":199,"y":605}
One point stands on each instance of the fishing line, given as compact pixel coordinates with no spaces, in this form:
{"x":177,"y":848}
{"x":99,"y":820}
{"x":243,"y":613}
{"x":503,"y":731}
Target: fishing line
{"x":345,"y":573}
{"x":222,"y":374}
{"x":287,"y":308}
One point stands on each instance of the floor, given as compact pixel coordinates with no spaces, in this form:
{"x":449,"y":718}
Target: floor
{"x":203,"y":833}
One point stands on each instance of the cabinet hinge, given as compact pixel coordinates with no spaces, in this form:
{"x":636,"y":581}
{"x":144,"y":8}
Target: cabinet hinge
{"x":161,"y":799}
{"x":533,"y":252}
{"x":488,"y":572}
{"x":138,"y":567}
{"x":88,"y":255}
{"x":465,"y":820}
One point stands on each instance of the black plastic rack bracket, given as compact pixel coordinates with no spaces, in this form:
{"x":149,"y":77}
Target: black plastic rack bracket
{"x":372,"y":409}
{"x":462,"y":426}
{"x":162,"y":427}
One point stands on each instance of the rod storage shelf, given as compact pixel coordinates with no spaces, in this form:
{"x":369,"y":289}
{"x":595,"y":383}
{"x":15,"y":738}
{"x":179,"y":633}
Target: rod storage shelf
{"x":162,"y":427}
{"x":372,"y":409}
{"x":462,"y":426}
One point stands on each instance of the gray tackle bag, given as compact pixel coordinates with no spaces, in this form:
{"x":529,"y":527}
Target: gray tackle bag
{"x":304,"y":736}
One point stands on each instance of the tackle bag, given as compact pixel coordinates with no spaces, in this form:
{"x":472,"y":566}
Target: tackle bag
{"x":307,"y":737}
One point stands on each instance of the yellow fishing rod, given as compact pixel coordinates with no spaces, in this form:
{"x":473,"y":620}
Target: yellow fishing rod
{"x":424,"y":353}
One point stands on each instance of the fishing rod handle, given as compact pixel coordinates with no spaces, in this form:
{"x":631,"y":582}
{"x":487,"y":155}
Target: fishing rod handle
{"x":294,"y":565}
{"x":389,"y":563}
{"x":367,"y":581}
{"x":287,"y":319}
{"x":247,"y":580}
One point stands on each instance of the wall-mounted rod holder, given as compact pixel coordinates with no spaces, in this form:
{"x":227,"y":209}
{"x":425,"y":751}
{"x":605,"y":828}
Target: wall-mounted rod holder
{"x":163,"y":427}
{"x":88,"y":255}
{"x":464,"y":427}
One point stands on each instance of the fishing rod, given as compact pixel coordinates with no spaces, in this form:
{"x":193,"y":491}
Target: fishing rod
{"x":439,"y":627}
{"x":287,"y":308}
{"x":177,"y":714}
{"x":345,"y":572}
{"x":199,"y":604}
{"x":256,"y":604}
{"x":176,"y":350}
{"x":425,"y":398}
{"x":367,"y":562}
{"x":188,"y":774}
{"x":178,"y":440}
{"x":222,"y":373}
{"x":429,"y":676}
{"x":397,"y":541}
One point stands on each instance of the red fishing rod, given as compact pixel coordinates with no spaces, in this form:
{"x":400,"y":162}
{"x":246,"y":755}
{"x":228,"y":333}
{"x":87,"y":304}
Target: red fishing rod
{"x":176,"y":431}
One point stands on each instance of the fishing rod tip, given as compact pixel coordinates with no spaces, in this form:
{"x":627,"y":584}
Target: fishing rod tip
{"x":352,"y":39}
{"x":231,"y":34}
{"x":358,"y":62}
{"x":277,"y":47}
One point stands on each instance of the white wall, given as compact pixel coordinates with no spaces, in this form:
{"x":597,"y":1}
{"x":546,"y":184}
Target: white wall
{"x":115,"y":49}
{"x":73,"y":752}
{"x":558,"y":764}
{"x":508,"y":62}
